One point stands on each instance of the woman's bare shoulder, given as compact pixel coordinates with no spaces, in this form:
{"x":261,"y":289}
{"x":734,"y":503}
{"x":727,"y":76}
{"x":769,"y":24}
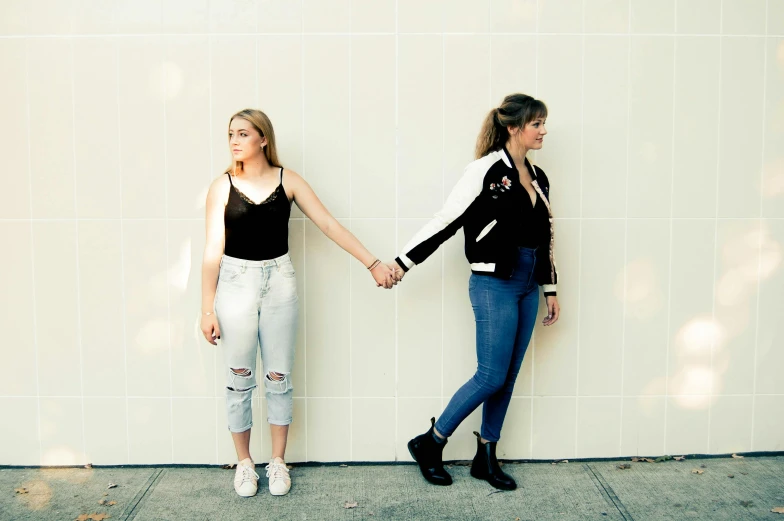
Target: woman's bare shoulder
{"x":291,"y":176}
{"x":219,"y":188}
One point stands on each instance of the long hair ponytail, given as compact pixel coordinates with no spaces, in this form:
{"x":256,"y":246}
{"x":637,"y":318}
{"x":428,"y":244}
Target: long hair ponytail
{"x":517,"y":110}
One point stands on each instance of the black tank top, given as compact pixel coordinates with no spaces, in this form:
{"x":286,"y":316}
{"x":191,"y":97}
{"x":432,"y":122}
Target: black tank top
{"x":257,"y":231}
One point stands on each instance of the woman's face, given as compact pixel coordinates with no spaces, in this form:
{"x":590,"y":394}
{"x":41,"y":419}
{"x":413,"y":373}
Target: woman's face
{"x":531,"y":136}
{"x":245,"y":142}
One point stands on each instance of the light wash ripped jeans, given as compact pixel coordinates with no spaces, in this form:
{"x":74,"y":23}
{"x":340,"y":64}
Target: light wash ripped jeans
{"x":256,"y":304}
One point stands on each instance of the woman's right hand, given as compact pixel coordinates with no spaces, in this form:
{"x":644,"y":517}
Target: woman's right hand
{"x":210,"y":328}
{"x":397,"y":271}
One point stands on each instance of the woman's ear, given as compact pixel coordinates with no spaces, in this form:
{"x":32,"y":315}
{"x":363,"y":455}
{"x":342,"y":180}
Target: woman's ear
{"x":263,"y":142}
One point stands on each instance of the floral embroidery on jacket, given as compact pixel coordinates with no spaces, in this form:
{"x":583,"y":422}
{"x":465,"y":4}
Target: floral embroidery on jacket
{"x":504,"y":185}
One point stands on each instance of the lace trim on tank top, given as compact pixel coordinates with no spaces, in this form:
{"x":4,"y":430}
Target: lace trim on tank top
{"x":271,"y":197}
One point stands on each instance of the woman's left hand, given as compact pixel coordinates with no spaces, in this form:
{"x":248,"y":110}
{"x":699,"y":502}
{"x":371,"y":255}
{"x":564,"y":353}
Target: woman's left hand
{"x":553,"y":311}
{"x":384,"y":276}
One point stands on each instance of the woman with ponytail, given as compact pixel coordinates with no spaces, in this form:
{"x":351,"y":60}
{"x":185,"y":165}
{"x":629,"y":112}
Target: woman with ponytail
{"x":502,"y":202}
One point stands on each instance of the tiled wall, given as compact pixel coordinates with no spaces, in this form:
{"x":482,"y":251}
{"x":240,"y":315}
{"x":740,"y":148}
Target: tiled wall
{"x":666,"y":155}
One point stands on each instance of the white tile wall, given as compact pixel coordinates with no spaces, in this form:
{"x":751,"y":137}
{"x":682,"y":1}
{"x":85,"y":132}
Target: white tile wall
{"x":665,"y":152}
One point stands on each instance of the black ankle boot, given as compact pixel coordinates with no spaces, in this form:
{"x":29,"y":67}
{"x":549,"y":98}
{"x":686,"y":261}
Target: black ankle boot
{"x":485,"y":466}
{"x":427,"y":453}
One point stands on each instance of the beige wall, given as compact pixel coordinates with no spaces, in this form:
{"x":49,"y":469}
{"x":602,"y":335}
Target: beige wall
{"x":666,"y":155}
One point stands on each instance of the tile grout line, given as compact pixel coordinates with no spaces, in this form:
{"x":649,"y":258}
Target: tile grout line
{"x":32,"y":253}
{"x":304,"y":223}
{"x":180,"y":219}
{"x":672,"y":230}
{"x":165,"y":89}
{"x":533,"y":336}
{"x":210,"y":173}
{"x":713,"y":344}
{"x":76,"y":236}
{"x":424,"y":397}
{"x":580,"y":235}
{"x":397,"y":212}
{"x":370,"y":33}
{"x":626,"y":223}
{"x":351,"y":225}
{"x":443,"y":151}
{"x":257,"y":99}
{"x":122,"y":256}
{"x":761,"y":230}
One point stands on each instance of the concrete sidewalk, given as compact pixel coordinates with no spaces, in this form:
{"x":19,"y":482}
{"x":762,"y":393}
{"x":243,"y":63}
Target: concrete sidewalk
{"x":567,"y":491}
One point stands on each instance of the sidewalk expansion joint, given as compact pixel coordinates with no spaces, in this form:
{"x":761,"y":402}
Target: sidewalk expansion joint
{"x":136,"y":503}
{"x":606,"y":490}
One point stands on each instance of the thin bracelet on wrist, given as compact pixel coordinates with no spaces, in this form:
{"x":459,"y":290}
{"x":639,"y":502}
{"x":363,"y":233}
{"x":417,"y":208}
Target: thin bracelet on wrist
{"x":375,"y":263}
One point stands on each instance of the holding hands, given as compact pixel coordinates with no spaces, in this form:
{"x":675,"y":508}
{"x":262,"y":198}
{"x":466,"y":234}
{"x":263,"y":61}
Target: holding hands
{"x":386,"y":274}
{"x":382,"y":274}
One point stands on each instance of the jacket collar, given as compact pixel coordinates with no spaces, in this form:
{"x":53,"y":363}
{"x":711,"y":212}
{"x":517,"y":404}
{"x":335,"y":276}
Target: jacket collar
{"x":507,"y":157}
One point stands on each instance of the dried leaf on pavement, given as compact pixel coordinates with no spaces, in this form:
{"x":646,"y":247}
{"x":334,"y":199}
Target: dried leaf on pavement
{"x":102,"y":502}
{"x":92,"y":517}
{"x":350,"y":505}
{"x":730,"y":475}
{"x":679,"y":458}
{"x":229,"y":466}
{"x":737,"y":457}
{"x":21,"y":490}
{"x":777,"y":510}
{"x":112,"y":485}
{"x":111,"y":503}
{"x":697,"y":471}
{"x":88,"y":466}
{"x":344,"y":465}
{"x":623,"y":466}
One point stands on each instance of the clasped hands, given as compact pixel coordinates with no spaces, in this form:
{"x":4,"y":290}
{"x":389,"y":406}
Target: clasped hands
{"x":387,"y":274}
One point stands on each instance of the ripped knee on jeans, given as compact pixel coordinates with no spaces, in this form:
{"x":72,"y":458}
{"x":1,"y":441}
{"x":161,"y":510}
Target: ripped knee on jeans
{"x":277,"y":383}
{"x":241,"y":374}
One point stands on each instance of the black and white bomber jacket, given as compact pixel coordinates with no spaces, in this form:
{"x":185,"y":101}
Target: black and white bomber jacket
{"x":486,"y":217}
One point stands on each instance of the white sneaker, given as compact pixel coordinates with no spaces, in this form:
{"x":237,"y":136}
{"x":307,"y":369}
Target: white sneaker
{"x":246,"y":481}
{"x":279,"y":480}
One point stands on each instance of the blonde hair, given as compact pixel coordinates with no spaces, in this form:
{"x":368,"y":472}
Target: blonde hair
{"x":517,"y":110}
{"x":263,"y":126}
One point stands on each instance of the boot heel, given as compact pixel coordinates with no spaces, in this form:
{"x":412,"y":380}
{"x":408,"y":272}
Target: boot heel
{"x":427,"y":453}
{"x":485,"y":466}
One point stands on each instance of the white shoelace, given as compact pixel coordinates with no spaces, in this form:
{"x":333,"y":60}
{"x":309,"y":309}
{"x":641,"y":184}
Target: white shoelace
{"x":248,"y":474}
{"x":277,"y":471}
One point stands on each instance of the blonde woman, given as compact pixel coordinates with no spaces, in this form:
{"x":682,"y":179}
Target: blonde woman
{"x":249,"y":289}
